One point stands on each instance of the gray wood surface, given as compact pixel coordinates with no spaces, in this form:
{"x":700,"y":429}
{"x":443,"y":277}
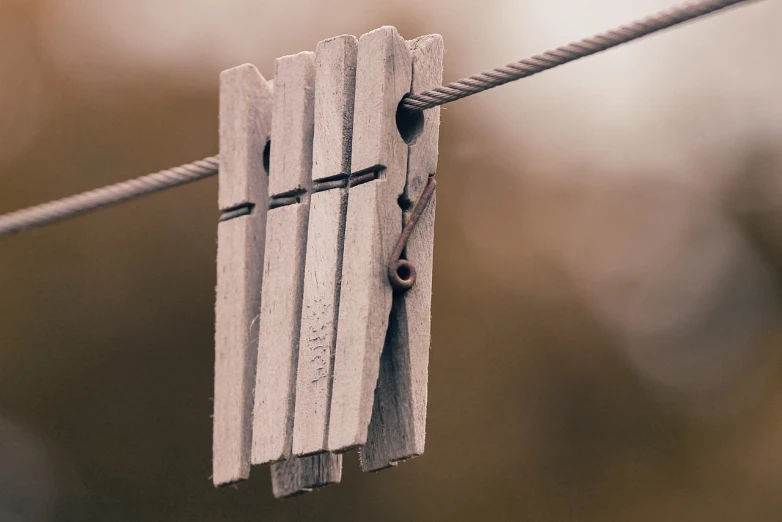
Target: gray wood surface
{"x":245,"y":125}
{"x":335,"y":66}
{"x":283,"y":274}
{"x":397,"y":430}
{"x":292,"y":128}
{"x":373,"y":225}
{"x":283,"y":271}
{"x":279,"y":332}
{"x":302,"y":475}
{"x":335,"y":85}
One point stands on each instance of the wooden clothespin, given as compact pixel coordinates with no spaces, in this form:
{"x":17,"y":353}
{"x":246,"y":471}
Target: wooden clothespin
{"x":342,"y":353}
{"x":245,"y":127}
{"x":335,"y":79}
{"x":390,"y":168}
{"x":290,"y":183}
{"x":397,"y":430}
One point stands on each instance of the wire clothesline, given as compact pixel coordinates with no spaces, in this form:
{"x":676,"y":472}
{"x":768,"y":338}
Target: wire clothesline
{"x":565,"y":54}
{"x":106,"y":196}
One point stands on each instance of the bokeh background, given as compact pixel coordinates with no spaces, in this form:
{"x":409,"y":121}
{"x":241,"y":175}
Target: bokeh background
{"x":606,"y":320}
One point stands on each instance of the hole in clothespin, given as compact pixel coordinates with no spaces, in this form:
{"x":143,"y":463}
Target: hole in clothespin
{"x":403,"y":271}
{"x":410,"y":124}
{"x":267,"y":151}
{"x":404,"y":203}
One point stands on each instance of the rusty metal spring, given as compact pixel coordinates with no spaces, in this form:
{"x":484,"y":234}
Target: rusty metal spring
{"x":401,"y":272}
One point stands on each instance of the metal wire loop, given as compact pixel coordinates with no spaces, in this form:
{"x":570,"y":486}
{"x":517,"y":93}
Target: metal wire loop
{"x":401,"y":272}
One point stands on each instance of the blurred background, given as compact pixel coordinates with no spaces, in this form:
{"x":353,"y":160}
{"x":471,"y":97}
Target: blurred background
{"x":607,"y":328}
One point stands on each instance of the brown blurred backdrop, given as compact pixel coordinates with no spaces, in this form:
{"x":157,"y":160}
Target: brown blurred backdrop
{"x":607,"y":326}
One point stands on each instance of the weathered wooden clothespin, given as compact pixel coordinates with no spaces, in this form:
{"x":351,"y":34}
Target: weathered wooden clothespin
{"x":393,"y":157}
{"x":397,"y":430}
{"x":335,"y":79}
{"x":343,"y":340}
{"x":245,"y":127}
{"x":290,"y":184}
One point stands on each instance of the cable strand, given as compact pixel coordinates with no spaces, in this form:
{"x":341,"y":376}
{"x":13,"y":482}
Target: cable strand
{"x":102,"y":197}
{"x":105,"y":196}
{"x":565,"y":54}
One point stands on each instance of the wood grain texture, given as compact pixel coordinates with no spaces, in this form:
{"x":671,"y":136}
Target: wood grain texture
{"x":335,"y":85}
{"x":373,"y":225}
{"x":283,"y":271}
{"x":335,"y":65}
{"x":286,"y":229}
{"x":291,"y":148}
{"x":301,"y":475}
{"x":397,"y":430}
{"x":319,"y":320}
{"x":245,"y":125}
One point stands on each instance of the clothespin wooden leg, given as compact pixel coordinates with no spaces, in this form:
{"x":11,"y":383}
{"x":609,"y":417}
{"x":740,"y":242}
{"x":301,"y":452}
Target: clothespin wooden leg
{"x":289,"y":184}
{"x":245,"y":126}
{"x":300,"y":475}
{"x":397,"y":430}
{"x":373,"y":225}
{"x":283,"y":275}
{"x":335,"y":81}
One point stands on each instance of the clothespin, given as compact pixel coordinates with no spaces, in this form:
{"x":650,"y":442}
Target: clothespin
{"x":343,"y":341}
{"x":390,"y":422}
{"x":397,"y":430}
{"x":245,"y":127}
{"x":335,"y":81}
{"x":290,"y":183}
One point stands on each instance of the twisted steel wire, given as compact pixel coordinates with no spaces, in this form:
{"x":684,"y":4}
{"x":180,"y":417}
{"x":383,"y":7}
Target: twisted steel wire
{"x":105,"y":196}
{"x":565,"y":54}
{"x":102,"y":197}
